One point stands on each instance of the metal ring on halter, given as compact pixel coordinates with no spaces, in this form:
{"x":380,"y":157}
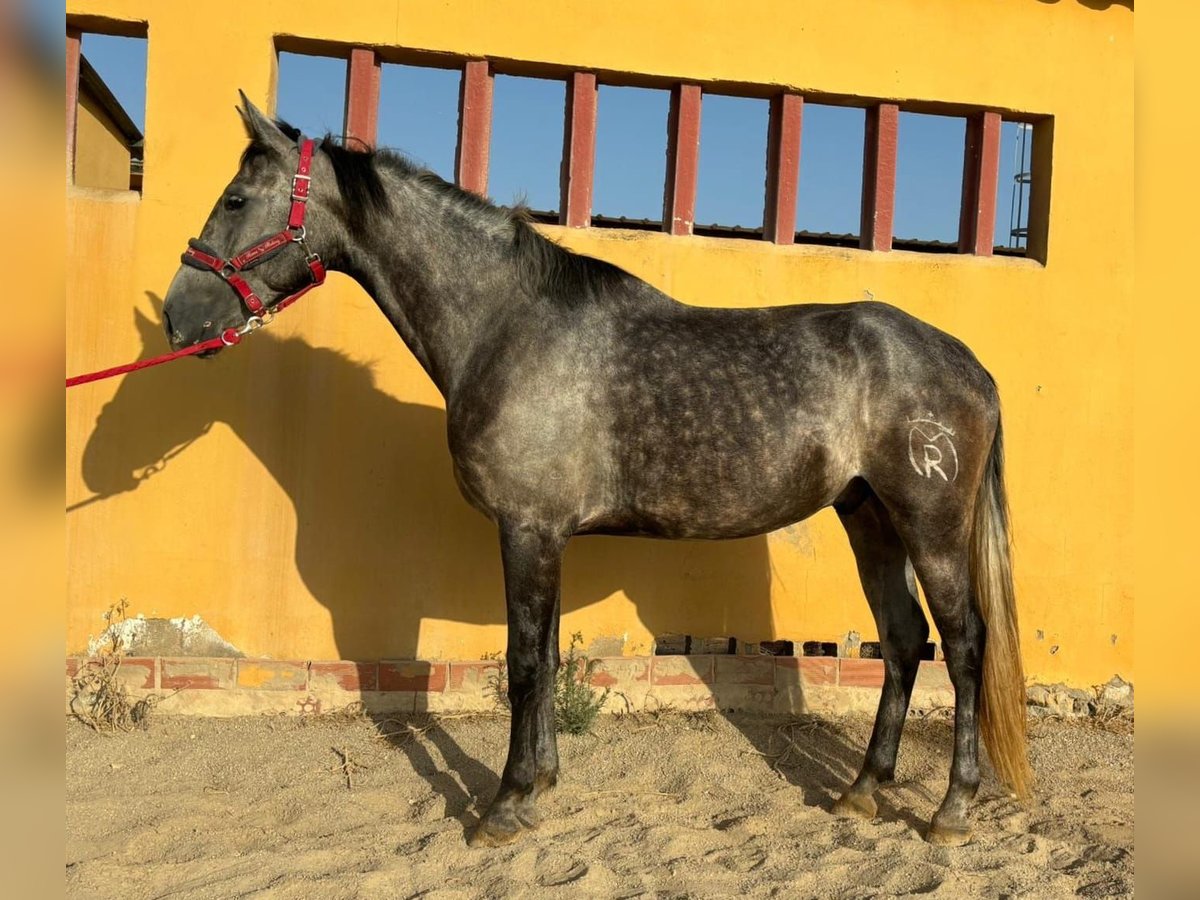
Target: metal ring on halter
{"x":299,"y":234}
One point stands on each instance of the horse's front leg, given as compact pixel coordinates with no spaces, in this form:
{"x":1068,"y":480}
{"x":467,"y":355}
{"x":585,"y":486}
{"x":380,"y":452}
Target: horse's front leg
{"x":532,"y":567}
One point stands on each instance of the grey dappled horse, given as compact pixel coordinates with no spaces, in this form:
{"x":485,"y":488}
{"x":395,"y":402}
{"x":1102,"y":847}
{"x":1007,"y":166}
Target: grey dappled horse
{"x":582,"y":400}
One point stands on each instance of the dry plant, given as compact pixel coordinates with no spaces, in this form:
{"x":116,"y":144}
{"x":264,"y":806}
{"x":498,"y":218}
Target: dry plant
{"x":99,"y":698}
{"x":1113,"y":719}
{"x":576,"y":702}
{"x":498,"y":681}
{"x":353,"y":712}
{"x":787,"y":734}
{"x":1117,"y":719}
{"x":932,"y":714}
{"x":348,"y":767}
{"x":668,"y":716}
{"x":410,"y":727}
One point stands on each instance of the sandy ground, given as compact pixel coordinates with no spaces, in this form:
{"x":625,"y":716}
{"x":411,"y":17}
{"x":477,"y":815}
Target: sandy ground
{"x":648,"y":806}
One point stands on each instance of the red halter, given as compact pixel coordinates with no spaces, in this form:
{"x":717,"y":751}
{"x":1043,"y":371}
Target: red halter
{"x":200,"y":256}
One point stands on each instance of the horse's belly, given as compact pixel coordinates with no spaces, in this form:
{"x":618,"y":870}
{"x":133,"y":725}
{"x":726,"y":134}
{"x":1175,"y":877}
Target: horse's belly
{"x":732,"y":494}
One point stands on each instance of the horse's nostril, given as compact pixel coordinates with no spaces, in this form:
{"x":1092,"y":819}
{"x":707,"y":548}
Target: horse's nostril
{"x":174,"y":335}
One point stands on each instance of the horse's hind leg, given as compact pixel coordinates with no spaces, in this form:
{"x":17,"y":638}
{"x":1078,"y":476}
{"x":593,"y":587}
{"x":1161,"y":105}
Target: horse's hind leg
{"x":941,"y":556}
{"x":887,"y":580}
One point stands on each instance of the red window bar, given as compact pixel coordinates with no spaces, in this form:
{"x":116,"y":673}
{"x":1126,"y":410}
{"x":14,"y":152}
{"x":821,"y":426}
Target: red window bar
{"x":980,"y":165}
{"x":683,"y":159}
{"x":1041,"y":164}
{"x":579,"y":151}
{"x":362,"y":97}
{"x":981,"y":169}
{"x":879,"y":177}
{"x":474,"y":127}
{"x":73,"y":44}
{"x":783,"y":168}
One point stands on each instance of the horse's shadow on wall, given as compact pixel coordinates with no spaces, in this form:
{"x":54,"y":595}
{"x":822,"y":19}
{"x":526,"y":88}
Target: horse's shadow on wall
{"x":384,"y":540}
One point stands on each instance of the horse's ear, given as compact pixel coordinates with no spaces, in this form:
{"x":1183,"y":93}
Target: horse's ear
{"x":150,"y":330}
{"x":261,"y":129}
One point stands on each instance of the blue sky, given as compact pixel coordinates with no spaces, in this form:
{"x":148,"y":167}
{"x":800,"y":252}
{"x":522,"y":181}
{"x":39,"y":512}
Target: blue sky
{"x":419,"y":116}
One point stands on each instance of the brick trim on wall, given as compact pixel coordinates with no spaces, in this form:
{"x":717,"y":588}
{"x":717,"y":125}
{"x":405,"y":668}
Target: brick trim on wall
{"x":224,"y":686}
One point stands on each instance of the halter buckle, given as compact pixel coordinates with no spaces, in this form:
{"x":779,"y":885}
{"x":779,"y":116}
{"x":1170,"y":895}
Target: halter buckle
{"x":296,"y":192}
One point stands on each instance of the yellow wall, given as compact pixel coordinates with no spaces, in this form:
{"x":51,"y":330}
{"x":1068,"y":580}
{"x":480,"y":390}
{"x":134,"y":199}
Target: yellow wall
{"x":314,"y":515}
{"x":101,"y":157}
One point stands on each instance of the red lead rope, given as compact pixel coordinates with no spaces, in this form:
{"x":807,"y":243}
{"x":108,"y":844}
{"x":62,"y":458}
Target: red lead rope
{"x":230,"y":337}
{"x":200,"y":257}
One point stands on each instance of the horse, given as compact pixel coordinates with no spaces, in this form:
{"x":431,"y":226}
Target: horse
{"x":580,"y":400}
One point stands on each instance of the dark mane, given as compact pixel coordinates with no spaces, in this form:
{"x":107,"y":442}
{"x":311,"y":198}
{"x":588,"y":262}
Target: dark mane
{"x":559,"y":272}
{"x":543,"y":264}
{"x":357,"y":178}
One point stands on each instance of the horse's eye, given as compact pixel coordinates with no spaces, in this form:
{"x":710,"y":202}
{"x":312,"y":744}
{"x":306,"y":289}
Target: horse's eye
{"x":234,"y":202}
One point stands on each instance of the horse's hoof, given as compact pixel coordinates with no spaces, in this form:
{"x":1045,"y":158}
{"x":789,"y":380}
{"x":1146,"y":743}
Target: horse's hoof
{"x":528,"y":816}
{"x":856,"y":805}
{"x":496,"y":829}
{"x":493,"y":834}
{"x":943,"y":835}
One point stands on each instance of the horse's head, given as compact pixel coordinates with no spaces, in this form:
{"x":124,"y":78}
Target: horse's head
{"x":259,"y":245}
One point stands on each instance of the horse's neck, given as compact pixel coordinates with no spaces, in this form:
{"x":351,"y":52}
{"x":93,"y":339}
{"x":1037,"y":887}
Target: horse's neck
{"x":439,"y":284}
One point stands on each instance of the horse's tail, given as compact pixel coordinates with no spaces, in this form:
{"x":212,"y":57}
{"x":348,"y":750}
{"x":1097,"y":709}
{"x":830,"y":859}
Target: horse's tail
{"x":1002,"y":706}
